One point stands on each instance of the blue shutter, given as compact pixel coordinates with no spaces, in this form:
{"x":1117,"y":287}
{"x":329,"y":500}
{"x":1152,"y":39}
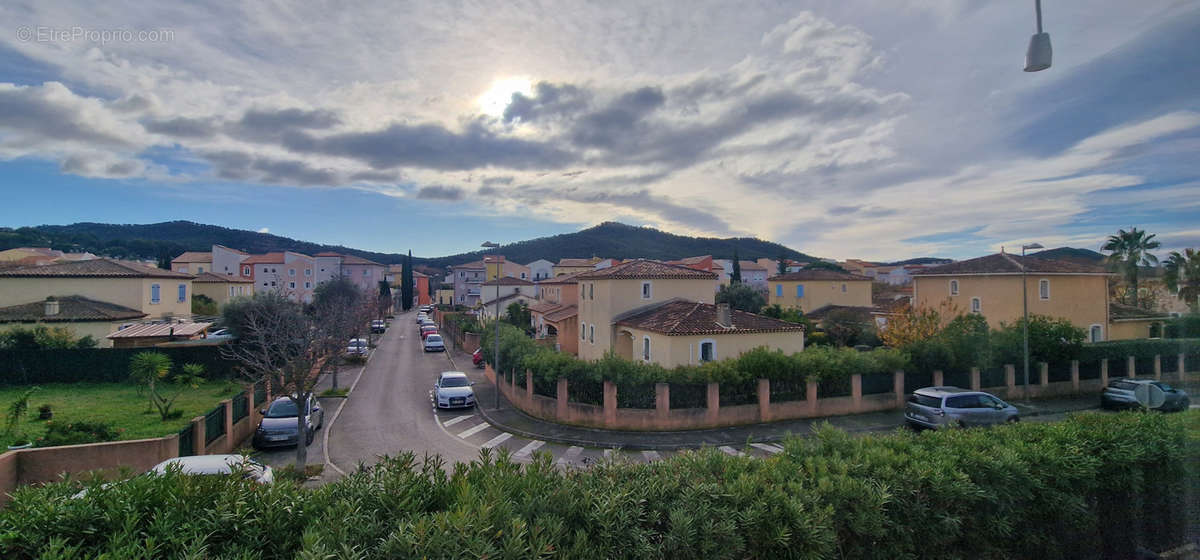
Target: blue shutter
{"x":182,"y":292}
{"x":154,"y":293}
{"x":778,"y":290}
{"x":799,"y":290}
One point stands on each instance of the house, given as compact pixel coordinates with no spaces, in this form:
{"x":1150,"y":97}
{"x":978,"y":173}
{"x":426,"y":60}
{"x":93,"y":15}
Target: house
{"x":497,"y":266}
{"x":570,"y":266}
{"x":753,"y":274}
{"x":154,"y":334}
{"x":444,"y":296}
{"x":540,"y":269}
{"x":363,"y":273}
{"x":467,"y":279}
{"x":394,"y":276}
{"x":157,"y":293}
{"x":290,"y":273}
{"x":228,"y":262}
{"x":83,"y":316}
{"x":680,"y":332}
{"x":192,"y":262}
{"x":503,"y":288}
{"x":772,"y":265}
{"x":992,"y":286}
{"x":704,"y":262}
{"x":555,"y":314}
{"x":810,"y":289}
{"x":38,"y":256}
{"x":222,"y":289}
{"x":1126,"y":322}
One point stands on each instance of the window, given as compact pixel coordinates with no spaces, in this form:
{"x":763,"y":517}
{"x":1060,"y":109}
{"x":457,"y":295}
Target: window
{"x":182,"y":293}
{"x":976,"y":305}
{"x":231,"y":291}
{"x":366,"y":272}
{"x":843,"y":288}
{"x":581,"y":292}
{"x":1096,"y":333}
{"x":646,"y":348}
{"x":954,"y":287}
{"x":591,"y":291}
{"x":462,"y":274}
{"x":308,"y":285}
{"x":1043,"y":289}
{"x":522,"y":275}
{"x":308,"y":272}
{"x":799,"y":290}
{"x":592,"y":334}
{"x":155,"y":292}
{"x":645,"y":290}
{"x":583,"y":331}
{"x":708,"y":350}
{"x":183,"y":269}
{"x":264,"y":283}
{"x":272,"y":282}
{"x":291,"y":272}
{"x":199,"y":270}
{"x":245,"y":271}
{"x":291,"y":285}
{"x":272,"y":270}
{"x":778,"y":290}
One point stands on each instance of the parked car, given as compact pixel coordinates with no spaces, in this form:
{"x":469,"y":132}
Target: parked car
{"x":427,"y":323}
{"x":221,"y":334}
{"x":378,"y":326}
{"x":453,"y":390}
{"x":357,"y":347}
{"x":278,"y":426}
{"x":427,"y":308}
{"x":206,"y":465}
{"x":1122,"y":393}
{"x":422,"y":317}
{"x":941,"y":407}
{"x":433,"y":343}
{"x":428,"y":330}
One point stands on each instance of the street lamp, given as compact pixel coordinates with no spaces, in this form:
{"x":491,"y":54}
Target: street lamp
{"x":1039,"y":53}
{"x":1025,"y":307}
{"x":496,"y":356}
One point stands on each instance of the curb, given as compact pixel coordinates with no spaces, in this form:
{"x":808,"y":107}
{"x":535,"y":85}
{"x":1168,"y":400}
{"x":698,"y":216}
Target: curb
{"x":329,"y":427}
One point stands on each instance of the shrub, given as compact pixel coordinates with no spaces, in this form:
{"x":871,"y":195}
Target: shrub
{"x":73,"y":433}
{"x":1051,"y":340}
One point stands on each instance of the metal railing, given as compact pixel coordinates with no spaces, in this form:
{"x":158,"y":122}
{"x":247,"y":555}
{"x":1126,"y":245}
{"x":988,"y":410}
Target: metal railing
{"x":241,"y":406}
{"x":187,"y":441}
{"x":214,"y":424}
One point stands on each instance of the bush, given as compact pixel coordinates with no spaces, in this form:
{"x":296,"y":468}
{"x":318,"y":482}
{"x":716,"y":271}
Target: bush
{"x":1093,"y":486}
{"x":73,"y":433}
{"x":1051,"y":340}
{"x":99,"y":365}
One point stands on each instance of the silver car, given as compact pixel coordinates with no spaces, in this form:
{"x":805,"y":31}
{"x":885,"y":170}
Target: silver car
{"x":1122,"y":393}
{"x":453,"y":390}
{"x":217,"y":465}
{"x":433,"y":343}
{"x":941,"y":407}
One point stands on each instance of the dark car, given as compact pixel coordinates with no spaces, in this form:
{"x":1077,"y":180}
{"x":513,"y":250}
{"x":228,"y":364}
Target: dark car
{"x":1123,"y":393}
{"x":278,"y":427}
{"x":378,"y":326}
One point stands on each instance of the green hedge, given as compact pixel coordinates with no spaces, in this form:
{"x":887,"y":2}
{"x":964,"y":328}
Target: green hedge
{"x":107,"y":365}
{"x":1141,"y":349}
{"x":1093,"y":486}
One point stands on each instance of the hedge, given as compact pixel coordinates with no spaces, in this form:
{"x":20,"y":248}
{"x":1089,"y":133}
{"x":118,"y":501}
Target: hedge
{"x":99,"y":365}
{"x":1093,"y":486}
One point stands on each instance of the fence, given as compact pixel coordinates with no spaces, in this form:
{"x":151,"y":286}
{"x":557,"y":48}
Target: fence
{"x":214,"y":424}
{"x":241,"y":406}
{"x":187,"y":441}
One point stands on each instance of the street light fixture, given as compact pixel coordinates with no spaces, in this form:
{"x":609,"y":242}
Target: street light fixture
{"x":1039,"y":53}
{"x":1025,"y":307}
{"x":496,"y":356}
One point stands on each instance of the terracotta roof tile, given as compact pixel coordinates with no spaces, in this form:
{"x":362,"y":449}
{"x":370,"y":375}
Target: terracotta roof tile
{"x":193,"y":256}
{"x":71,"y":309}
{"x":1003,"y":263}
{"x":577,"y":262}
{"x":211,"y":278}
{"x":266,"y":258}
{"x":95,"y":268}
{"x":565,"y":313}
{"x":508,"y":281}
{"x":817,"y":274}
{"x":646,"y":269}
{"x":470,"y":265}
{"x":685,"y":317}
{"x":561,"y":279}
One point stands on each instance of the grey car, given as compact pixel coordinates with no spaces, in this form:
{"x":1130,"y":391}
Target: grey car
{"x":278,"y":427}
{"x":433,"y":343}
{"x":941,"y":407}
{"x":453,"y":390}
{"x":1122,"y":394}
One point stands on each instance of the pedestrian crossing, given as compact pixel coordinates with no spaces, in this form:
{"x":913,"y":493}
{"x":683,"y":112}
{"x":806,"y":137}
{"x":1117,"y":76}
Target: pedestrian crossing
{"x":473,"y":429}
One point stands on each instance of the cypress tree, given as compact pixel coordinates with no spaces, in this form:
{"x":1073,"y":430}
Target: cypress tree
{"x":736,"y":277}
{"x":406,"y":283}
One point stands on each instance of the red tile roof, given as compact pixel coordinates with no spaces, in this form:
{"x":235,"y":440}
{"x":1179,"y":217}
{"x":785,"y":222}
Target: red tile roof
{"x":561,"y":279}
{"x":266,"y":258}
{"x":71,"y":309}
{"x":577,"y":262}
{"x":676,"y":318}
{"x":508,"y":281}
{"x":1004,"y":263}
{"x":566,"y":312}
{"x":193,"y":257}
{"x":646,"y":269}
{"x":817,"y":274}
{"x":210,"y":278}
{"x":351,"y":259}
{"x":471,"y":265}
{"x":95,"y":268}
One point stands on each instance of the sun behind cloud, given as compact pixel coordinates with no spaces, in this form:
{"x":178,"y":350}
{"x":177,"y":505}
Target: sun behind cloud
{"x":499,"y":96}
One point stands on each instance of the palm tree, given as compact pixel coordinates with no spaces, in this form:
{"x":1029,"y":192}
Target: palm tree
{"x":1131,"y":249}
{"x":1183,"y":276}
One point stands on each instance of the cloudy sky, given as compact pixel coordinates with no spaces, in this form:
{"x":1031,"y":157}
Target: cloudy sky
{"x":871,"y":129}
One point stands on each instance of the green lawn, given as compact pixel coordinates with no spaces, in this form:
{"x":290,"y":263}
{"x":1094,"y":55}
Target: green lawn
{"x":116,"y":403}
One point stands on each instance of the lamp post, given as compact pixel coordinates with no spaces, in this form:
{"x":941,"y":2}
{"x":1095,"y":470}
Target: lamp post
{"x":1039,"y":53}
{"x":1025,"y":312}
{"x":496,"y":356}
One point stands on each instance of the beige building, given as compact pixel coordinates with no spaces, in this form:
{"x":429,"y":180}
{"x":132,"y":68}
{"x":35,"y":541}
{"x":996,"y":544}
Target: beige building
{"x":1126,"y":322}
{"x":991,"y":286}
{"x":572,"y":266}
{"x":556,"y":313}
{"x":680,"y":333}
{"x":221,"y":289}
{"x":809,"y":290}
{"x":445,"y":296}
{"x":159,"y":293}
{"x":82,"y":316}
{"x":193,"y":262}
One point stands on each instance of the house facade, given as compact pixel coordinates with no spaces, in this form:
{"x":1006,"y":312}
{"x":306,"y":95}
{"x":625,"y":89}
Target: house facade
{"x":467,"y":280}
{"x":753,"y":274}
{"x":157,"y":293}
{"x":228,"y":262}
{"x":811,"y":289}
{"x":556,"y":312}
{"x":504,"y":287}
{"x":498,"y":266}
{"x":81,"y":315}
{"x":540,"y":269}
{"x":292,"y":274}
{"x":572,"y":266}
{"x":679,"y":333}
{"x":992,"y":286}
{"x":192,"y":262}
{"x":222,"y":289}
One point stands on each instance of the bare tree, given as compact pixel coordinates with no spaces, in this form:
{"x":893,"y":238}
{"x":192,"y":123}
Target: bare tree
{"x":339,"y":306}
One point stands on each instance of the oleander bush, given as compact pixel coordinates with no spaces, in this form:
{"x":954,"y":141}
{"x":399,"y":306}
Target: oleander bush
{"x":1093,"y":486}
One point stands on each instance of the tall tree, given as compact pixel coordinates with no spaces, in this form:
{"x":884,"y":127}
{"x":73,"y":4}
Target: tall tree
{"x":339,"y":304}
{"x":736,"y":277}
{"x":742,"y":297}
{"x":406,"y":283}
{"x":1183,"y":276}
{"x":782,"y":264}
{"x":1131,"y":249}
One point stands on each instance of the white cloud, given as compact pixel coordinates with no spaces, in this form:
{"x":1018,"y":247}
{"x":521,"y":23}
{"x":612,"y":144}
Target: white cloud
{"x":264,"y":230}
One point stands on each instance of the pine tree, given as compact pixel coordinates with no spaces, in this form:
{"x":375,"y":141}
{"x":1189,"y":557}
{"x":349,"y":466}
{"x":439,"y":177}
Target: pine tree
{"x":406,"y":283}
{"x":736,"y":277}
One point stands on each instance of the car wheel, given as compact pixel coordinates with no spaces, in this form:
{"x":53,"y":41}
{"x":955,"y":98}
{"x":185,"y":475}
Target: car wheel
{"x":1013,"y":420}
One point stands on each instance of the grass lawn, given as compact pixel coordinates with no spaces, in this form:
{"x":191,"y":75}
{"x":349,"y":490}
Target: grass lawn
{"x":116,"y":403}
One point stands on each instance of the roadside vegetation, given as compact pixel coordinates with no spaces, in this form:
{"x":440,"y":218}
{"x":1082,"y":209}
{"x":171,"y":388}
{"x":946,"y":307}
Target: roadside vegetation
{"x":1093,"y":486}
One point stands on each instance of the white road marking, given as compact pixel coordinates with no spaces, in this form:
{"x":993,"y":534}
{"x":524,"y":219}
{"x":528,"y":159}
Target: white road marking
{"x":496,"y":440}
{"x":529,"y":448}
{"x":730,"y":451}
{"x":457,"y":419}
{"x":571,"y":454}
{"x":772,"y":449}
{"x":472,"y":431}
{"x":651,"y":455}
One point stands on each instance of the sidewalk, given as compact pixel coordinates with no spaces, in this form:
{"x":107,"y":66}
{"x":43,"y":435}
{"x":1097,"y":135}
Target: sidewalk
{"x":509,"y":419}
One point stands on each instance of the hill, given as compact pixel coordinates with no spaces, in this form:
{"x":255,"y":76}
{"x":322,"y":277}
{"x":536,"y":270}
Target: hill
{"x":1086,"y":256}
{"x":164,"y":241}
{"x":920,"y":260}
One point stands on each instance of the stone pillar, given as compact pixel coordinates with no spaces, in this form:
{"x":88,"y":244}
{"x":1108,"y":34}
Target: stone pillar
{"x":939,"y":378}
{"x":1010,"y":379}
{"x":662,"y":400}
{"x":714,"y":403}
{"x":1043,"y":374}
{"x":1157,"y":367}
{"x":198,"y":435}
{"x":1130,"y":369}
{"x":1104,"y":372}
{"x":610,"y":403}
{"x":529,"y":386}
{"x":764,"y":400}
{"x":229,"y":443}
{"x":898,"y":387}
{"x":560,"y":406}
{"x":254,"y":415}
{"x":856,"y":391}
{"x":1179,"y":367}
{"x":811,"y":396}
{"x":1075,"y":375}
{"x":490,"y":373}
{"x":975,"y":381}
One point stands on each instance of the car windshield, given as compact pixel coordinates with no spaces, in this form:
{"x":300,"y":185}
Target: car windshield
{"x":455,"y":381}
{"x":434,"y":338}
{"x":925,"y":400}
{"x":282,"y":409}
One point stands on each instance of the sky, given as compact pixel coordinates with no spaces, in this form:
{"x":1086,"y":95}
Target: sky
{"x":880,"y":130}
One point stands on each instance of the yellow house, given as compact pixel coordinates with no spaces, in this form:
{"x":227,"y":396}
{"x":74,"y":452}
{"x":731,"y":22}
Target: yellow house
{"x":193,"y":262}
{"x":497,"y":266}
{"x":445,"y":296}
{"x":678,"y":333}
{"x":1126,"y":322}
{"x":809,"y":290}
{"x":221,"y":289}
{"x":158,"y":293}
{"x":991,"y":286}
{"x":82,"y":316}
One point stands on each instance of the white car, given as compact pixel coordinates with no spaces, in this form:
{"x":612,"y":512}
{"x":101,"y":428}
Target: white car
{"x":220,"y":334}
{"x":433,"y":343}
{"x":218,"y":464}
{"x":453,"y":390}
{"x":422,"y":317}
{"x":357,"y":347}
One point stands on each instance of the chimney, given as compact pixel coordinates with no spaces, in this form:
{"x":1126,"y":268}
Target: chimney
{"x":51,"y":306}
{"x":724,"y":316}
